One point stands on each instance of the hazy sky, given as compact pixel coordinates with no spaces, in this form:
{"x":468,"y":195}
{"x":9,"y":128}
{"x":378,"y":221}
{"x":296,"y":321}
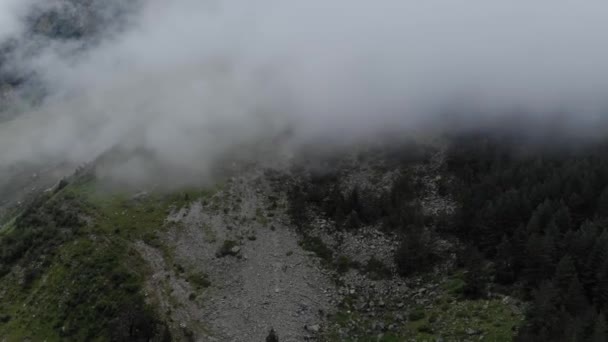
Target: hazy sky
{"x":189,"y":79}
{"x":11,"y":13}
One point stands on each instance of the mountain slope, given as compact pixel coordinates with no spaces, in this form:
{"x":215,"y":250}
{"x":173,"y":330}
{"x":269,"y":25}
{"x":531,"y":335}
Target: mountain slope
{"x":256,"y":251}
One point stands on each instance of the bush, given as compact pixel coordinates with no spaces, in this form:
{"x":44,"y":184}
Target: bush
{"x":425,"y":328}
{"x":376,"y":269}
{"x":199,"y":280}
{"x":415,"y":254}
{"x":343,"y":264}
{"x":5,"y":318}
{"x":416,"y":315}
{"x":316,"y":245}
{"x":227,"y":248}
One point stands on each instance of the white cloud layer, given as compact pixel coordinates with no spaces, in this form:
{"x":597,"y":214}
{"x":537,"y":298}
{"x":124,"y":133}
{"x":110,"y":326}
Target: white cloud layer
{"x":190,"y":79}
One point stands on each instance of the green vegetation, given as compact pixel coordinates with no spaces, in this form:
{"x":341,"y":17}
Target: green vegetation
{"x":457,"y":320}
{"x":229,"y":247}
{"x":198,"y":280}
{"x":128,"y":215}
{"x":343,"y":264}
{"x":316,"y":245}
{"x":450,"y":317}
{"x":416,"y":315}
{"x":376,"y":269}
{"x":91,"y":288}
{"x":69,"y":271}
{"x":538,"y":217}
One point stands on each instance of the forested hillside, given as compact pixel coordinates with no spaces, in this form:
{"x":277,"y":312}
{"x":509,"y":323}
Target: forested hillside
{"x":302,"y":171}
{"x":538,"y":216}
{"x":479,"y":237}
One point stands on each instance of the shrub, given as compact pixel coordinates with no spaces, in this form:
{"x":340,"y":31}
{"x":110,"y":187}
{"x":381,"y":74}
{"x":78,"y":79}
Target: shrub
{"x":376,"y":269}
{"x":415,"y":254}
{"x":342,"y":264}
{"x":425,"y":328}
{"x":227,"y":248}
{"x":416,"y":315}
{"x":199,"y":280}
{"x":316,"y":245}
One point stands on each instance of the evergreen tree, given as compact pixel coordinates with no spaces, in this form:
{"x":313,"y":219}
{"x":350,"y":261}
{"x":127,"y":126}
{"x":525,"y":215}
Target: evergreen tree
{"x":569,"y":328}
{"x":540,"y":218}
{"x":415,"y":252}
{"x":565,"y":273}
{"x":601,"y":209}
{"x":505,"y":273}
{"x":474,"y":277}
{"x":538,"y":260}
{"x":352,"y":220}
{"x":601,"y":290}
{"x":575,"y":299}
{"x":272,"y":336}
{"x":600,"y":333}
{"x":543,"y":314}
{"x":562,"y":218}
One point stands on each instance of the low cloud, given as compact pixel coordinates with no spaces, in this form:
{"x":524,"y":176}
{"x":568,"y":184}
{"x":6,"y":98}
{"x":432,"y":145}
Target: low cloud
{"x":188,"y":81}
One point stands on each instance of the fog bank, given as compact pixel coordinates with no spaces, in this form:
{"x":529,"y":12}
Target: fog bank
{"x":188,"y":81}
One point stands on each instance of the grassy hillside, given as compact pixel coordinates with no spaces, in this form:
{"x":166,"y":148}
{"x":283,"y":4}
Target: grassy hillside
{"x":69,"y":268}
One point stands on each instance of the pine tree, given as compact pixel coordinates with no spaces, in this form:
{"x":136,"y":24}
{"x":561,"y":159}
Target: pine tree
{"x":562,"y":218}
{"x":601,"y":290}
{"x":568,"y":328}
{"x":272,"y":336}
{"x":540,"y":218}
{"x":601,"y":209}
{"x":543,"y":314}
{"x":576,"y":202}
{"x":518,"y":241}
{"x":415,"y":252}
{"x":598,"y":255}
{"x":504,"y":261}
{"x":599,"y":329}
{"x":538,"y":262}
{"x":575,"y":299}
{"x":474,"y":277}
{"x":564,"y":273}
{"x":352,"y":220}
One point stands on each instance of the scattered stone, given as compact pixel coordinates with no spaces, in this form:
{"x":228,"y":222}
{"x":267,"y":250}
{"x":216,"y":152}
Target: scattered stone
{"x":140,"y":196}
{"x":471,"y":332}
{"x":315,"y":328}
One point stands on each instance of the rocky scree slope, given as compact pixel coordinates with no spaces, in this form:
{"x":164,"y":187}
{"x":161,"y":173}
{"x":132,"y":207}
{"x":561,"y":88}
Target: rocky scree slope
{"x":308,"y":248}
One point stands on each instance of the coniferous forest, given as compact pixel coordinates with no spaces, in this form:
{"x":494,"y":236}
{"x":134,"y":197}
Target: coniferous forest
{"x":530,"y":222}
{"x":538,"y":214}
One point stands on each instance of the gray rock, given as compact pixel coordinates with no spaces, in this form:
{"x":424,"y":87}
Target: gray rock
{"x":315,"y":328}
{"x":470,"y":331}
{"x":140,"y":196}
{"x":378,"y":326}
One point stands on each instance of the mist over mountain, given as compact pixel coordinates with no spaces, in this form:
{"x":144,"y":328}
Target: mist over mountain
{"x":326,"y":170}
{"x":191,"y":80}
